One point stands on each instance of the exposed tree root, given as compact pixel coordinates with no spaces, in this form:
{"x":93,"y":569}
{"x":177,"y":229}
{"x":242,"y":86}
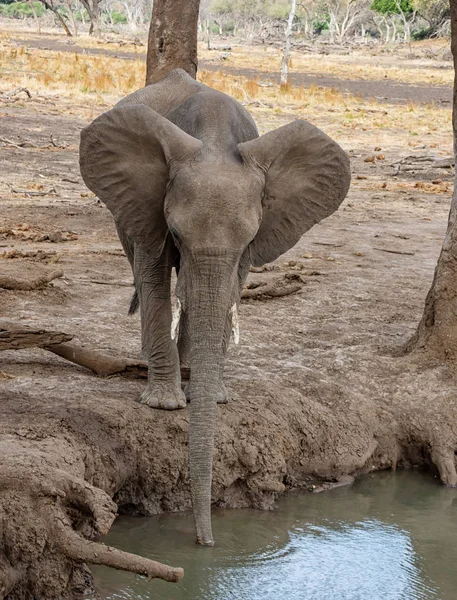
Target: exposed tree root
{"x":81,"y":550}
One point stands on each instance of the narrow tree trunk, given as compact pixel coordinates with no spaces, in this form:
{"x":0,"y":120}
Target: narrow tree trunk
{"x":72,"y":17}
{"x":286,"y":52}
{"x":437,"y":331}
{"x":58,"y":16}
{"x":35,"y":16}
{"x":172,"y":40}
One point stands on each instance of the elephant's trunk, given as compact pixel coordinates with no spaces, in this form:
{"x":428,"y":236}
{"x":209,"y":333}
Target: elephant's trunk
{"x":208,"y":312}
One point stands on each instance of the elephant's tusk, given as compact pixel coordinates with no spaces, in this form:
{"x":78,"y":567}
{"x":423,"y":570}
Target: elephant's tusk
{"x":176,"y":315}
{"x":235,"y":333}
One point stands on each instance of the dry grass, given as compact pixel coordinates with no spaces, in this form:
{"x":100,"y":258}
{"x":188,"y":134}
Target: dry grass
{"x":101,"y":80}
{"x":68,"y":74}
{"x":368,"y":65}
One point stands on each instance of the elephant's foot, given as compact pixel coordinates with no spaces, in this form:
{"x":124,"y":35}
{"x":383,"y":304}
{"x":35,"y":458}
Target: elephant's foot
{"x":164,"y":396}
{"x":222,"y":394}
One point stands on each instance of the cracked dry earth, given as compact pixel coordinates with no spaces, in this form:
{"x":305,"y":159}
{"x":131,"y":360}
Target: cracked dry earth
{"x":319,"y":388}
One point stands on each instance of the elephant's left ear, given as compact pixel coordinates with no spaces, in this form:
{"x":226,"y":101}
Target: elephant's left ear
{"x":126,"y":155}
{"x":307,"y":176}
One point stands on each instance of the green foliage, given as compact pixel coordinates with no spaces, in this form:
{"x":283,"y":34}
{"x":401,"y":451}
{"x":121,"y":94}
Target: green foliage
{"x":118,"y":17}
{"x":389,"y":7}
{"x":21,"y":10}
{"x":422,"y":34}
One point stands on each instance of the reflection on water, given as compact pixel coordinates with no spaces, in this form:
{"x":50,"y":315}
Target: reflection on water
{"x":390,"y":536}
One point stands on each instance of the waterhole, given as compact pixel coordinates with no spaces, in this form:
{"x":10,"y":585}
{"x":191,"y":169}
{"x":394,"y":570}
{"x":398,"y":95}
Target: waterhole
{"x":389,"y":536}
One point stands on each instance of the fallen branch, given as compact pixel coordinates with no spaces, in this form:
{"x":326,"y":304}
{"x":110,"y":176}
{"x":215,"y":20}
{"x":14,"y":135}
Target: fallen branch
{"x":50,"y":192}
{"x":13,"y":283}
{"x":11,"y":143}
{"x":286,"y":286}
{"x":409,"y":163}
{"x":101,"y":364}
{"x":394,"y":251}
{"x":17,"y":337}
{"x":115,"y":283}
{"x":9,"y":95}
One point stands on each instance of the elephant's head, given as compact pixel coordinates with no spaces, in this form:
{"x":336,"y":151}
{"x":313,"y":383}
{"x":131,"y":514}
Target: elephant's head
{"x":223,"y":213}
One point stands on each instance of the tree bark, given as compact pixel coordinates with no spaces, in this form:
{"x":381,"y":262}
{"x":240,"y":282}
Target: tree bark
{"x":172,"y":40}
{"x":286,"y":53}
{"x":17,"y":337}
{"x":58,"y":16}
{"x":437,"y":330}
{"x":93,"y":10}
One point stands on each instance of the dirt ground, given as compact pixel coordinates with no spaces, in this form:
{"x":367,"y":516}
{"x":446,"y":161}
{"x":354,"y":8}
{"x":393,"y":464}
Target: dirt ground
{"x":319,"y":387}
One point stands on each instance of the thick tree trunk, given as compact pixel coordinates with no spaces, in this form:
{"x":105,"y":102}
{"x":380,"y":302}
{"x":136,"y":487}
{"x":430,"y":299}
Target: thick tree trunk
{"x":437,"y":331}
{"x":172,"y":40}
{"x":93,"y":10}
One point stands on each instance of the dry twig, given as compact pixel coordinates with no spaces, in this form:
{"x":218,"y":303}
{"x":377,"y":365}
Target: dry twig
{"x":394,"y":251}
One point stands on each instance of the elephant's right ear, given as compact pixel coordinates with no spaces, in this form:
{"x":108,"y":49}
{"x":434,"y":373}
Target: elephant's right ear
{"x":125,"y":158}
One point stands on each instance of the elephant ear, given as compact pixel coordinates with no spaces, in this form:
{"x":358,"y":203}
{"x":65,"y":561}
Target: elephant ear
{"x":125,"y":157}
{"x":307,"y":176}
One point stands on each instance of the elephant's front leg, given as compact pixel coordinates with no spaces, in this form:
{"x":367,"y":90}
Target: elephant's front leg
{"x":152,"y":279}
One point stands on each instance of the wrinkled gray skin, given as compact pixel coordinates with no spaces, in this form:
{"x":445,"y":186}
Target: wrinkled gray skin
{"x":192,"y":186}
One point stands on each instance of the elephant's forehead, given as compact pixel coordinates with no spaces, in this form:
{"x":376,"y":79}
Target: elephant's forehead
{"x":217,"y":181}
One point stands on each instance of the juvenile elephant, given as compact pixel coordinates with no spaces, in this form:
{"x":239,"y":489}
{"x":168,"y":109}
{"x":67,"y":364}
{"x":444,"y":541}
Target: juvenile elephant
{"x":191,"y":185}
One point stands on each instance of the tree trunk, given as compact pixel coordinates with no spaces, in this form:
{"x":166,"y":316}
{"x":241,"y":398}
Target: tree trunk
{"x":172,"y":40}
{"x":58,"y":16}
{"x":72,"y":17}
{"x":35,"y":16}
{"x":93,"y":10}
{"x":437,"y":331}
{"x":286,"y":53}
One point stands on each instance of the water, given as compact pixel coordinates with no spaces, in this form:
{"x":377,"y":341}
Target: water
{"x":390,"y":536}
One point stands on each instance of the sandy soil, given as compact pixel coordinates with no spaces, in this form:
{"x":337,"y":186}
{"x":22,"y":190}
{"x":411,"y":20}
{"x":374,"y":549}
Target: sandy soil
{"x":318,"y":388}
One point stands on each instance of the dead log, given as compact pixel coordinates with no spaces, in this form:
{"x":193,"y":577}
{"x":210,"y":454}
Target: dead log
{"x":105,"y":365}
{"x":101,"y":364}
{"x":284,"y":286}
{"x":14,"y":283}
{"x":16,"y":337}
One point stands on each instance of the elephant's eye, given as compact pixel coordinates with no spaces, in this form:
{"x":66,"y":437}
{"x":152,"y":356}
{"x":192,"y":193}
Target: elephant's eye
{"x":174,"y":235}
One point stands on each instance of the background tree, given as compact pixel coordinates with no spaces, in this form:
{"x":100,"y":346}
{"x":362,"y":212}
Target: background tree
{"x":93,"y":10}
{"x":172,"y":39}
{"x":286,"y":53}
{"x":437,"y":331}
{"x":403,"y":8}
{"x":53,"y":7}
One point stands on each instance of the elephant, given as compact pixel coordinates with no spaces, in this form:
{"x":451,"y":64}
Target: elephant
{"x":191,"y":185}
